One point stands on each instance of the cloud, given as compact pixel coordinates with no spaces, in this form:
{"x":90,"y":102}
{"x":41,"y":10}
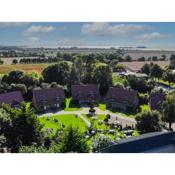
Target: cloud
{"x":13,"y":24}
{"x":38,"y":30}
{"x":150,"y":36}
{"x":106,"y":29}
{"x":34,"y":39}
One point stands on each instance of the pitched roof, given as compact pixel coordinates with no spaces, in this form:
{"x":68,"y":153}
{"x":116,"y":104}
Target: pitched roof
{"x":11,"y":97}
{"x":84,"y":90}
{"x":121,"y":94}
{"x":156,"y":99}
{"x":48,"y":94}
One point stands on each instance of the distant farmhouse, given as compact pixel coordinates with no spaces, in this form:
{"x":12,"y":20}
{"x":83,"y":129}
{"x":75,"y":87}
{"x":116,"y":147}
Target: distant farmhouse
{"x":85,"y":94}
{"x":12,"y":98}
{"x":45,"y":99}
{"x":156,"y":100}
{"x":125,"y":99}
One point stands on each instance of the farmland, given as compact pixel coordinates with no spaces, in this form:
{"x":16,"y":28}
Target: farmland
{"x":5,"y":68}
{"x":137,"y":65}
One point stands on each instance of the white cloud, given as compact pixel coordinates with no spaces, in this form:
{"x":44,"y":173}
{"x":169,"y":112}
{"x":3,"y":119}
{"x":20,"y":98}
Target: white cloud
{"x":13,"y":24}
{"x":37,"y":29}
{"x":34,"y":39}
{"x":103,"y":28}
{"x":150,"y":36}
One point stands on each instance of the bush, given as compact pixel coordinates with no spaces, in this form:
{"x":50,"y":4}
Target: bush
{"x":143,"y":98}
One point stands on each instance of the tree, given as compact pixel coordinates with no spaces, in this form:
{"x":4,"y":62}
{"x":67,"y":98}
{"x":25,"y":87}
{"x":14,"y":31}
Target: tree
{"x":154,"y":58}
{"x":140,"y":84}
{"x":20,"y":126}
{"x":168,"y":76}
{"x":1,"y":62}
{"x":102,"y":75}
{"x":145,"y":69}
{"x":13,"y":77}
{"x":59,"y":73}
{"x":78,"y":63}
{"x":101,"y":142}
{"x":35,"y":149}
{"x":149,"y":121}
{"x":72,"y":140}
{"x":15,"y":61}
{"x":128,"y":58}
{"x":73,"y":77}
{"x":156,"y":71}
{"x":168,"y":110}
{"x":172,"y":57}
{"x":141,"y":59}
{"x":119,"y":68}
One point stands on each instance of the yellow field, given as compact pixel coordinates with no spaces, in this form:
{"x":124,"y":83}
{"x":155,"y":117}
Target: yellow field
{"x":38,"y":68}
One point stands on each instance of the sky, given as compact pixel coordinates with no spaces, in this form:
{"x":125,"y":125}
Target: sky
{"x":87,"y":34}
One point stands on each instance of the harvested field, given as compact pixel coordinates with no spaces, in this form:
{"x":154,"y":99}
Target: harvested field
{"x":5,"y":68}
{"x":137,"y":65}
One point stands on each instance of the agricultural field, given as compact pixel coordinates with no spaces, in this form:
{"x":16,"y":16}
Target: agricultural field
{"x":137,"y":65}
{"x":38,"y":68}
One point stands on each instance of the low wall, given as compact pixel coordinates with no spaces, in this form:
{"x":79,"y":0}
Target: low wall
{"x":142,"y":143}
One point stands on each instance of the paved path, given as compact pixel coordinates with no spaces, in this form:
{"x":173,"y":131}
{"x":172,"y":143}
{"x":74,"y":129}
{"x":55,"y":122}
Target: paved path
{"x":88,"y":123}
{"x":122,"y":119}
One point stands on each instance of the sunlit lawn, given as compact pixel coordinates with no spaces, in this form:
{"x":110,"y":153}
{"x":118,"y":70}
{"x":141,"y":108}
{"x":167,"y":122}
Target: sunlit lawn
{"x":102,"y":107}
{"x":96,"y":120}
{"x":144,"y":108}
{"x":66,"y":119}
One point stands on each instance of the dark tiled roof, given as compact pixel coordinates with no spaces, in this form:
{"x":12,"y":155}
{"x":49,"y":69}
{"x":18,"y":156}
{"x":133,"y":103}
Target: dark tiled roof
{"x":48,"y":94}
{"x":84,"y":90}
{"x":156,"y":100}
{"x":11,"y":97}
{"x":122,"y":94}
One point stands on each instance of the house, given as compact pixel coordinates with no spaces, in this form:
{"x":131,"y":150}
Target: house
{"x":156,"y":100}
{"x":85,"y":94}
{"x":45,"y":99}
{"x":124,"y":99}
{"x":12,"y":98}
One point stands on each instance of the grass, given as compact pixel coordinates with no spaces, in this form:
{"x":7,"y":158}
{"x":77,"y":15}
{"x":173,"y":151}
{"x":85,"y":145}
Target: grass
{"x":102,"y":107}
{"x":96,"y":120}
{"x":66,"y":119}
{"x":144,"y":108}
{"x":166,"y":83}
{"x":70,"y":106}
{"x":38,"y":68}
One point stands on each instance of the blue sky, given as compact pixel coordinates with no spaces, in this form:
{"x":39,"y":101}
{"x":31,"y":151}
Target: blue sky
{"x":88,"y":34}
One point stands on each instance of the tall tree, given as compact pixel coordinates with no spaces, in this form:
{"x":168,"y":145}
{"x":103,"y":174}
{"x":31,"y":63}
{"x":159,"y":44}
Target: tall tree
{"x":156,"y":71}
{"x":102,"y":75}
{"x":20,"y":126}
{"x":168,"y":76}
{"x":149,"y":121}
{"x":146,"y":69}
{"x":168,"y":110}
{"x":73,"y":140}
{"x":57,"y":73}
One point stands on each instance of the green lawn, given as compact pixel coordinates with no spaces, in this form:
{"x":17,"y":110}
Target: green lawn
{"x":166,"y":83}
{"x":102,"y":107}
{"x":144,"y":108}
{"x":66,"y":119}
{"x":95,"y":121}
{"x":70,"y":107}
